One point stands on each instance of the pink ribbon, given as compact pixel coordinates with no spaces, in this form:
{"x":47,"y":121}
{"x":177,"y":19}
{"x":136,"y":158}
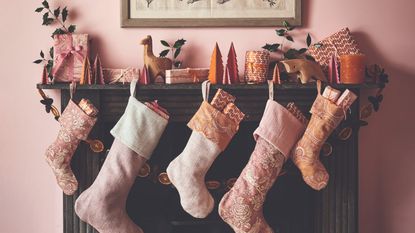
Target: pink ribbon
{"x":72,"y":51}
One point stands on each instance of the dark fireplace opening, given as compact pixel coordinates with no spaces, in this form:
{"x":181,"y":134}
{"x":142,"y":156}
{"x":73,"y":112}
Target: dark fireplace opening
{"x":289,"y":206}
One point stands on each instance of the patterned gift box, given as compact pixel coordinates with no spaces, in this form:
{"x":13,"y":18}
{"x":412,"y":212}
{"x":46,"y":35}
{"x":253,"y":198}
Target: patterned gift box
{"x":70,"y":50}
{"x":234,"y":113}
{"x":120,"y":75}
{"x":221,"y":99}
{"x":340,"y":43}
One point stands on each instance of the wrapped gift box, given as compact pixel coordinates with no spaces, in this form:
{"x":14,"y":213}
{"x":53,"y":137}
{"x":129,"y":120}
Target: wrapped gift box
{"x":222,"y":99}
{"x":189,"y":75}
{"x":340,"y":43}
{"x":120,"y":75}
{"x":70,"y":50}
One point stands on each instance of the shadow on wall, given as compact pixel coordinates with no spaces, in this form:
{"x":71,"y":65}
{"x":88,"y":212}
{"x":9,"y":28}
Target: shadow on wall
{"x":386,"y":159}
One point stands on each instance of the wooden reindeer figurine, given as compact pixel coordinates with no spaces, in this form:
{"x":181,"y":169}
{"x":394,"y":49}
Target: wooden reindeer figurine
{"x":307,"y":71}
{"x":157,"y":66}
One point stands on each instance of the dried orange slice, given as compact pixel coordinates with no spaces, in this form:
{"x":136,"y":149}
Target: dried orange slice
{"x":212,"y":184}
{"x":96,"y":145}
{"x":144,"y":171}
{"x":366,"y":111}
{"x":164,"y":178}
{"x":345,"y":134}
{"x":327,"y":149}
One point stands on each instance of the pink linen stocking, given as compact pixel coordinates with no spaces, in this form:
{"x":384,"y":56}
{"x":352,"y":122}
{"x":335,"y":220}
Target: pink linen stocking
{"x":136,"y":134}
{"x":75,"y":126}
{"x":242,"y":206}
{"x":212,"y":132}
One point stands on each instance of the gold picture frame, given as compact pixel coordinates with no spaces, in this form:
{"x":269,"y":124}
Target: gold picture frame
{"x":128,"y":14}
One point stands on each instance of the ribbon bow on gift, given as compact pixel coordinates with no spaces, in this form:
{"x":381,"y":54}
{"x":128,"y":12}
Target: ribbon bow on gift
{"x":75,"y":51}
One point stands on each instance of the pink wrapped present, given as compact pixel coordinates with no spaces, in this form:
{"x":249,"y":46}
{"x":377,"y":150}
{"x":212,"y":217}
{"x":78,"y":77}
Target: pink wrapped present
{"x":120,"y":75}
{"x":70,"y":50}
{"x":340,"y":43}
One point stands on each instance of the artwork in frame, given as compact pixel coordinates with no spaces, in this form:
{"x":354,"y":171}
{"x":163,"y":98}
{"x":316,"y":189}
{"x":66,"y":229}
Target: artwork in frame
{"x":209,"y":13}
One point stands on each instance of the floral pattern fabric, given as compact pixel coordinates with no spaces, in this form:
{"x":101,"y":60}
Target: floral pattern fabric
{"x":326,"y":116}
{"x":214,"y":125}
{"x":75,"y":126}
{"x":242,"y":206}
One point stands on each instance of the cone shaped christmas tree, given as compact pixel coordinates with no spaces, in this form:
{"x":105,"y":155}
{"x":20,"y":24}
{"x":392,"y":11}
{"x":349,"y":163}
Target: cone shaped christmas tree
{"x":86,"y":75}
{"x":144,"y":76}
{"x":232,"y":65}
{"x":98,"y":73}
{"x":216,"y":67}
{"x":44,"y":75}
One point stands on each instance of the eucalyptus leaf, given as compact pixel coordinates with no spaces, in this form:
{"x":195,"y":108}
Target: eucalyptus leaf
{"x":308,"y":40}
{"x":64,"y":14}
{"x":38,"y":61}
{"x":291,"y":54}
{"x":309,"y":57}
{"x":177,"y":64}
{"x":45,"y":4}
{"x":177,"y":52}
{"x":285,"y":24}
{"x":271,"y":47}
{"x":164,"y":53}
{"x":281,"y":32}
{"x":58,"y":31}
{"x":179,"y":43}
{"x":290,"y":38}
{"x":51,"y":52}
{"x":302,"y":50}
{"x":163,"y":42}
{"x":57,"y":12}
{"x":71,"y":29}
{"x":40,"y":9}
{"x":42,"y":55}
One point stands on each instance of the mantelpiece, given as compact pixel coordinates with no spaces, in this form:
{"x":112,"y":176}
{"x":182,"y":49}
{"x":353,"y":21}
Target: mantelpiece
{"x":291,"y":207}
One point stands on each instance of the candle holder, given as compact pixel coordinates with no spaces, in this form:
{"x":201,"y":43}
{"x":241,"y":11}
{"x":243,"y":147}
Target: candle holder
{"x":256,"y":66}
{"x":352,"y":68}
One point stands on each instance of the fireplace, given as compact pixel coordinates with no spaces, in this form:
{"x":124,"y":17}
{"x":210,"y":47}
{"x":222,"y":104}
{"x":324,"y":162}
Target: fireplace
{"x":291,"y":206}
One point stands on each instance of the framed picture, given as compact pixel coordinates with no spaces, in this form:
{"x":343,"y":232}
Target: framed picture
{"x":209,"y":13}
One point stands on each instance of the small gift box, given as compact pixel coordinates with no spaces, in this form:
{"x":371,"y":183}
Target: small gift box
{"x":340,"y":43}
{"x":120,"y":75}
{"x":70,"y":51}
{"x":331,"y":94}
{"x":234,"y":113}
{"x":189,"y":75}
{"x":346,"y":99}
{"x":221,"y":99}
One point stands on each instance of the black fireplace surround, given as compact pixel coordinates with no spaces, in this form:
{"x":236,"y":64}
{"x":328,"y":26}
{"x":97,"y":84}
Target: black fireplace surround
{"x":291,"y":206}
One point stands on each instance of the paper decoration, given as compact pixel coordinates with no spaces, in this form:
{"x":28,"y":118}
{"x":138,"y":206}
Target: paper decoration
{"x":98,"y":72}
{"x":44,"y":79}
{"x":226,"y":79}
{"x":333,"y":70}
{"x":86,"y":75}
{"x":144,"y":76}
{"x":216,"y":67}
{"x":232,"y":73}
{"x":276,"y":77}
{"x":70,"y":50}
{"x":189,"y":75}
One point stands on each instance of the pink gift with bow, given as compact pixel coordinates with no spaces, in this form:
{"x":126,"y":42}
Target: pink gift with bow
{"x":70,"y":50}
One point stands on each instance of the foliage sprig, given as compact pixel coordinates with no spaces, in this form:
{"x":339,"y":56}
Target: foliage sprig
{"x":175,"y":50}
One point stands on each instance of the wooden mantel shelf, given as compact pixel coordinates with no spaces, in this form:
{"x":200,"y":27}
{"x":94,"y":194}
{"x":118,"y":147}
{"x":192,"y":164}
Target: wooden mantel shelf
{"x":288,"y":86}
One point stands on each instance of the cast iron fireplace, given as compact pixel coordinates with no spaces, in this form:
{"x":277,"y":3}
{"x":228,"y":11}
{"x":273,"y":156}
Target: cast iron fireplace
{"x":291,"y":206}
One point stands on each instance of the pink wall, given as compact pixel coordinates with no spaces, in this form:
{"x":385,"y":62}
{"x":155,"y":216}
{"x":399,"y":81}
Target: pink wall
{"x":31,"y":202}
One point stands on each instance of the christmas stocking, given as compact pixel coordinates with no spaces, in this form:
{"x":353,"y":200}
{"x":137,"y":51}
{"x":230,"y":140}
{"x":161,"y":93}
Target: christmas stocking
{"x":136,"y":135}
{"x":277,"y":133}
{"x":326,"y":116}
{"x":75,"y":126}
{"x":212,"y":132}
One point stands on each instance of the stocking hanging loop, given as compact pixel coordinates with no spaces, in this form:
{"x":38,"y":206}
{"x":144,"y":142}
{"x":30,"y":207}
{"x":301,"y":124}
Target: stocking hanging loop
{"x":205,"y":90}
{"x":72,"y":89}
{"x":133,"y":86}
{"x":271,"y":89}
{"x":318,"y":87}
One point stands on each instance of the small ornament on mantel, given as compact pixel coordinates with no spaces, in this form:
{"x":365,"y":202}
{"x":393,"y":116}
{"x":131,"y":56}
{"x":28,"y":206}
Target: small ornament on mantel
{"x":144,"y":76}
{"x":216,"y":67}
{"x":232,"y":73}
{"x":86,"y":75}
{"x":98,"y":72}
{"x":44,"y":75}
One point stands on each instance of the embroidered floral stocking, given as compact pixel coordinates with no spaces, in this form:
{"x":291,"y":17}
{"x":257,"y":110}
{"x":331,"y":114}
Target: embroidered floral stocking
{"x":277,"y":133}
{"x":212,"y":132}
{"x":75,"y":126}
{"x":136,"y":135}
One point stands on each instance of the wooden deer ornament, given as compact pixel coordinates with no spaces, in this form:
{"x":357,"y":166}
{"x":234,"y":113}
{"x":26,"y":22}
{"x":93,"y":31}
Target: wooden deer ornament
{"x":157,"y":66}
{"x":307,"y":71}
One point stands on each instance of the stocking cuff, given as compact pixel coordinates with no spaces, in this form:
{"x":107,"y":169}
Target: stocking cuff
{"x":214,"y":125}
{"x":279,"y":127}
{"x":75,"y":120}
{"x":139,"y":128}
